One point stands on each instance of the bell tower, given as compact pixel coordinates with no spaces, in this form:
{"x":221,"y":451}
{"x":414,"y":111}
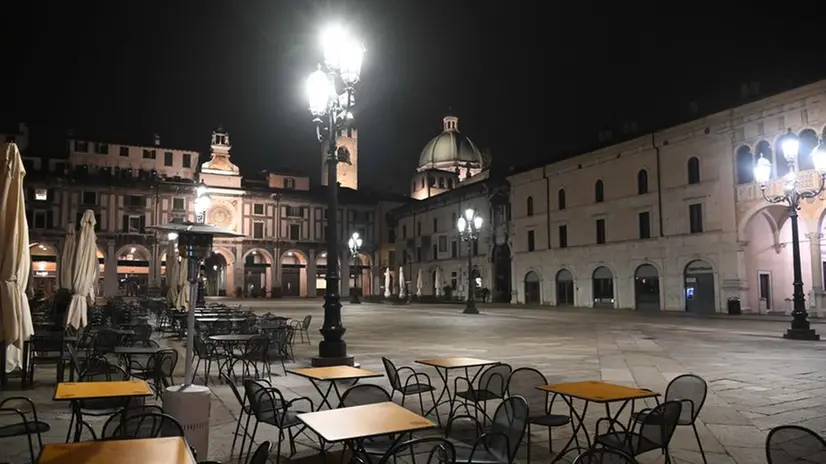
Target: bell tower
{"x":347,"y":146}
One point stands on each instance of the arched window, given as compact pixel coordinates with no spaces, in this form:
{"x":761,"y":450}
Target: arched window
{"x":560,"y":199}
{"x":642,"y":182}
{"x":693,"y":170}
{"x":599,"y":191}
{"x":745,"y":165}
{"x":530,"y":206}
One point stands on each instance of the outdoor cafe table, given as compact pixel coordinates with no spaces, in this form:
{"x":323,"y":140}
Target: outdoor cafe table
{"x":443,"y":367}
{"x":126,"y":353}
{"x":594,"y":392}
{"x":77,"y":391}
{"x":356,"y":423}
{"x":170,"y":450}
{"x":332,"y":374}
{"x":228,"y":342}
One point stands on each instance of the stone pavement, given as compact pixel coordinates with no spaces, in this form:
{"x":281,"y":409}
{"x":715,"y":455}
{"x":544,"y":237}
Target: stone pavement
{"x":756,"y":379}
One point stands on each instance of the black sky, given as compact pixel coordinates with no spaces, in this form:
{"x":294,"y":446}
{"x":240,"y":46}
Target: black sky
{"x":528,"y":79}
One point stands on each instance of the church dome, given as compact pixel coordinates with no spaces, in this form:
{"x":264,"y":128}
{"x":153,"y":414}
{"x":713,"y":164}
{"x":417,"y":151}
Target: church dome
{"x":450,"y":149}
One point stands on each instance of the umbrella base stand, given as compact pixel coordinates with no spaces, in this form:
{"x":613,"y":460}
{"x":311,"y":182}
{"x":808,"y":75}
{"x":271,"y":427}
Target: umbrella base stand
{"x":190,"y":406}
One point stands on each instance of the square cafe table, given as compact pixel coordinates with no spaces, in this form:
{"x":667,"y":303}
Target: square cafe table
{"x":332,"y":374}
{"x":171,"y":450}
{"x":356,"y":423}
{"x":594,"y":392}
{"x":443,"y":366}
{"x":77,"y":391}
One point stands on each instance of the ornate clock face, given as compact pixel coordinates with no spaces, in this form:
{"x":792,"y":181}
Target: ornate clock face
{"x":220,"y":216}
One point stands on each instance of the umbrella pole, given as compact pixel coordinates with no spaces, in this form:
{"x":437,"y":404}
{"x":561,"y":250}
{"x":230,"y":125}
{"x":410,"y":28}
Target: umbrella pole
{"x":193,"y":264}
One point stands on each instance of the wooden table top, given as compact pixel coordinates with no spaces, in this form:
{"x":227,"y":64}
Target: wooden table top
{"x":370,"y":420}
{"x":456,"y":362}
{"x":93,"y":390}
{"x":334,"y":373}
{"x":598,"y":392}
{"x":172,"y":450}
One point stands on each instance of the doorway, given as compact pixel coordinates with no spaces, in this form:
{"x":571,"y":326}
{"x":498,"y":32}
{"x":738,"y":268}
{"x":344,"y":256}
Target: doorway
{"x":699,"y":288}
{"x":564,"y":288}
{"x":647,"y":288}
{"x":764,"y":289}
{"x":532,"y":288}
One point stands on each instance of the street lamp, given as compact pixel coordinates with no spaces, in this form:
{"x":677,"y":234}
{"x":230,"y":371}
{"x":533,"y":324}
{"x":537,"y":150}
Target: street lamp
{"x":331,"y":95}
{"x":202,"y":203}
{"x":469,"y":226}
{"x":355,"y":245}
{"x":791,"y":196}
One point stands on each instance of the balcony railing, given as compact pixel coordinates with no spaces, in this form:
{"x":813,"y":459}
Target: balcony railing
{"x":806,"y":180}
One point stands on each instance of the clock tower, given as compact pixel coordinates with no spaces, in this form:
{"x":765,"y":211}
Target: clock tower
{"x":347,"y":146}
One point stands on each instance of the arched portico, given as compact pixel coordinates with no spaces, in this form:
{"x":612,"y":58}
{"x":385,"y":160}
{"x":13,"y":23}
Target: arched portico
{"x":294,"y":273}
{"x":602,"y":286}
{"x":533,"y":287}
{"x":321,"y":274}
{"x":133,"y":263}
{"x":699,"y":287}
{"x":361,"y":273}
{"x":228,"y":273}
{"x":44,"y":268}
{"x":565,"y":287}
{"x":257,"y":272}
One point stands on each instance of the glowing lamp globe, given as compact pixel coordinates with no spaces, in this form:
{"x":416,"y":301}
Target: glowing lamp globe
{"x":762,"y":170}
{"x":342,"y":53}
{"x":819,"y":158}
{"x":477,"y":222}
{"x":320,"y":90}
{"x":461,"y":223}
{"x":790,"y":147}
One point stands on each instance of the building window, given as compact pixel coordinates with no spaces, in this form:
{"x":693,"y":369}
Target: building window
{"x":41,"y":194}
{"x":418,"y":228}
{"x":695,"y":217}
{"x":81,"y":146}
{"x":294,"y":211}
{"x":435,"y":254}
{"x":391,"y":234}
{"x":563,"y":236}
{"x":40,"y":219}
{"x":178,"y":204}
{"x":529,"y":205}
{"x":258,"y":209}
{"x":645,"y":225}
{"x":149,"y":154}
{"x":531,"y":240}
{"x":102,"y":148}
{"x":134,"y":224}
{"x":289,"y":183}
{"x":560,"y":199}
{"x":745,"y":165}
{"x":134,"y":200}
{"x":90,"y":198}
{"x":443,"y":244}
{"x":600,"y":230}
{"x":450,"y":183}
{"x":187,"y":162}
{"x":599,"y":191}
{"x":168,"y":158}
{"x":642,"y":182}
{"x":454,"y":249}
{"x":431,"y":181}
{"x":258,"y":229}
{"x":124,"y":151}
{"x":391,"y":258}
{"x":693,"y":170}
{"x":435,"y":225}
{"x":295,"y":231}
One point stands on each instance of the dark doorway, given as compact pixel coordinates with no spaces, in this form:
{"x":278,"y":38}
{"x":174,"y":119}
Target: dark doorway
{"x":765,"y":282}
{"x":699,"y":288}
{"x":603,"y":287}
{"x":533,"y":289}
{"x":291,"y":279}
{"x":647,"y":288}
{"x":502,"y":274}
{"x":564,"y":288}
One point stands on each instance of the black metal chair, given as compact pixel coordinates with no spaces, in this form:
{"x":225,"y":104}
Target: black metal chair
{"x":654,"y":433}
{"x":523,"y":382}
{"x":790,"y":444}
{"x":691,"y":390}
{"x":491,"y":385}
{"x":261,"y":454}
{"x":98,"y":370}
{"x":206,"y":353}
{"x":359,"y":395}
{"x":245,"y":411}
{"x":255,"y":353}
{"x":148,"y":425}
{"x":269,"y":407}
{"x":159,"y":370}
{"x":435,"y":447}
{"x":499,"y":443}
{"x":604,"y":456}
{"x":303,"y":328}
{"x":133,"y":409}
{"x":416,"y":383}
{"x":26,"y":426}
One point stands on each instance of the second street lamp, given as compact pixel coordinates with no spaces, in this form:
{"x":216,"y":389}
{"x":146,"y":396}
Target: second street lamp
{"x":202,"y":203}
{"x":354,"y":244}
{"x":792,"y":195}
{"x":469,"y":226}
{"x":331,"y":94}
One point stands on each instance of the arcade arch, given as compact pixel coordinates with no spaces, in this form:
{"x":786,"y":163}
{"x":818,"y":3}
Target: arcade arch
{"x":294,"y":273}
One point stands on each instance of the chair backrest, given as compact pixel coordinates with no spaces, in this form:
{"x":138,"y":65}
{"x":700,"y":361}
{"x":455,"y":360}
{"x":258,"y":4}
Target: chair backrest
{"x":604,"y":456}
{"x":392,"y":373}
{"x":305,"y":324}
{"x":366,"y":393}
{"x":659,"y":424}
{"x":106,"y":340}
{"x":115,"y":420}
{"x":257,"y":345}
{"x":510,"y":420}
{"x":792,"y":444}
{"x":232,"y":387}
{"x":148,"y":425}
{"x":163,"y":362}
{"x":262,"y":453}
{"x":495,"y":379}
{"x":688,"y":387}
{"x":439,"y":450}
{"x":264,"y":400}
{"x":523,"y":382}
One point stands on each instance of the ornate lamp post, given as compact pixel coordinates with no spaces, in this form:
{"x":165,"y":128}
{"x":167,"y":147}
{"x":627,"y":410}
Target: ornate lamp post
{"x":331,"y":92}
{"x":202,"y":203}
{"x":791,"y":196}
{"x":355,"y":245}
{"x":469,"y":226}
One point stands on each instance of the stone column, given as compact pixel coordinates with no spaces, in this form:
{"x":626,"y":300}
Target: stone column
{"x":310,"y":272}
{"x":110,"y":271}
{"x":817,"y":269}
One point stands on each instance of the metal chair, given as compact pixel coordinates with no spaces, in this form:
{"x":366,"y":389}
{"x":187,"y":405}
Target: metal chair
{"x":604,"y":456}
{"x":98,"y":370}
{"x":269,"y":407}
{"x":303,"y":327}
{"x":262,"y":454}
{"x":523,"y":382}
{"x":498,"y":444}
{"x":435,"y":447}
{"x":416,"y":383}
{"x":359,"y":395}
{"x":205,"y":353}
{"x":655,"y":431}
{"x":794,"y":444}
{"x":148,"y":425}
{"x":26,"y":426}
{"x":491,"y":385}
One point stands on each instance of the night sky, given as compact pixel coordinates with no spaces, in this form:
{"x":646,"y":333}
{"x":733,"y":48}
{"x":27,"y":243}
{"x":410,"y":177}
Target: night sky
{"x":530,"y":81}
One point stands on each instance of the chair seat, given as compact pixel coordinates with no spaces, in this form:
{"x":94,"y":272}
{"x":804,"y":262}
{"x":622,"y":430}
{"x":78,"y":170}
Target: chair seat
{"x":640,"y":417}
{"x":478,"y":395}
{"x":550,"y":420}
{"x":466,"y":453}
{"x":416,"y":388}
{"x":631,"y":444}
{"x":23,"y":428}
{"x":290,"y":419}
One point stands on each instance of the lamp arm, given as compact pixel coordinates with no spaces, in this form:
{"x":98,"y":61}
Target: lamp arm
{"x":774,"y":199}
{"x":815,"y":192}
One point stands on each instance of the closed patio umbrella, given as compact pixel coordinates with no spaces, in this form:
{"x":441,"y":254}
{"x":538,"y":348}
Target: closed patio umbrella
{"x":172,"y":274}
{"x":67,"y":257}
{"x":387,"y":290}
{"x":419,"y":283}
{"x":15,"y":258}
{"x":402,"y":291}
{"x":85,"y":273}
{"x":437,"y":285}
{"x":183,"y":285}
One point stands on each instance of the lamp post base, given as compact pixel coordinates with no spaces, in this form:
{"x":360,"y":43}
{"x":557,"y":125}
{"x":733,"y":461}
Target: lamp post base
{"x":318,"y":361}
{"x":801,"y":334}
{"x":470,"y":308}
{"x":332,"y":353}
